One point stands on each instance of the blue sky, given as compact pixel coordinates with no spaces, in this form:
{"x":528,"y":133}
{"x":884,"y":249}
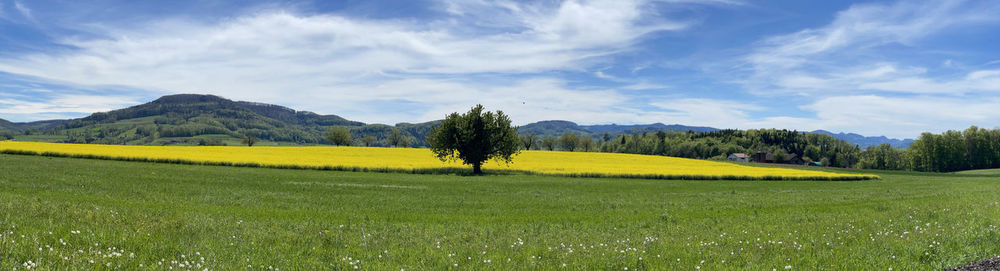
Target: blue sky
{"x":894,"y":68}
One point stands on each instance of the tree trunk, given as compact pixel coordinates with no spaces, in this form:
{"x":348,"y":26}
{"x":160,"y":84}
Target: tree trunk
{"x":477,"y":168}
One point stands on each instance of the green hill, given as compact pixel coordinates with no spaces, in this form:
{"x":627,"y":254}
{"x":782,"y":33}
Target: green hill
{"x":7,"y":125}
{"x":190,"y":119}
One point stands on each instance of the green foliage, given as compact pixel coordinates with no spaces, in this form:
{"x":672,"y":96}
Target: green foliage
{"x":368,"y":140}
{"x":780,"y":156}
{"x":475,"y":137}
{"x":339,"y":135}
{"x":397,"y":139}
{"x":724,"y":142}
{"x":568,"y":141}
{"x":883,"y":156}
{"x":585,"y":143}
{"x":528,"y":141}
{"x":549,"y":143}
{"x":975,"y":148}
{"x":6,"y":135}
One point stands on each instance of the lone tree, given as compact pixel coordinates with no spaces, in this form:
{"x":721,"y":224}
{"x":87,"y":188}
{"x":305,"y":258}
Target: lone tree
{"x":250,"y":140}
{"x":475,"y":137}
{"x":339,"y":135}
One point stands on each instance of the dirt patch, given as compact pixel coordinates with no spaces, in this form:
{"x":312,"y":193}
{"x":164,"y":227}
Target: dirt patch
{"x":987,"y":264}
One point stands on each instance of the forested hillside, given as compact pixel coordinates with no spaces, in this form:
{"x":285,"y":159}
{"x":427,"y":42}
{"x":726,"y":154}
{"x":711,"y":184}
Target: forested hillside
{"x":189,"y":119}
{"x":780,"y":144}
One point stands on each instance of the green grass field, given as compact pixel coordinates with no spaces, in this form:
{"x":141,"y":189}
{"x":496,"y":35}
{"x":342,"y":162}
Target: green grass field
{"x":992,"y":171}
{"x":65,"y":213}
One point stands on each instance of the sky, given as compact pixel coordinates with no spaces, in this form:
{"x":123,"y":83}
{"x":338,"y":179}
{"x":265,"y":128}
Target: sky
{"x":893,"y":68}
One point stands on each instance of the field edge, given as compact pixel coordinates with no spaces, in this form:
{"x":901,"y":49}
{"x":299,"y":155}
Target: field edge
{"x":445,"y":170}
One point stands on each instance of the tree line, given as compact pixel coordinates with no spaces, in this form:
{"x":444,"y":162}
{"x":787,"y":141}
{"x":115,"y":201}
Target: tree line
{"x":973,"y":148}
{"x":715,"y":145}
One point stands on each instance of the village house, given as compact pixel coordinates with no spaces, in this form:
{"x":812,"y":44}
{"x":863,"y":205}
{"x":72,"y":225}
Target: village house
{"x":739,"y":157}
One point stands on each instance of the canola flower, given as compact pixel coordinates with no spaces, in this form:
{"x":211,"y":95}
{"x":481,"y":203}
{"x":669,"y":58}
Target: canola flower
{"x":422,"y":160}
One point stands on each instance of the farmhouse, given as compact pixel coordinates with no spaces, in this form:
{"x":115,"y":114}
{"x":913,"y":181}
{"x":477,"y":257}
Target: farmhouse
{"x":793,"y":159}
{"x":767,"y":157}
{"x":739,"y":157}
{"x":762,"y":157}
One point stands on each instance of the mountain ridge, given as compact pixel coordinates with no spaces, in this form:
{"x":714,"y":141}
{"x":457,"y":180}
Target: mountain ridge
{"x":866,"y":141}
{"x":186,"y":116}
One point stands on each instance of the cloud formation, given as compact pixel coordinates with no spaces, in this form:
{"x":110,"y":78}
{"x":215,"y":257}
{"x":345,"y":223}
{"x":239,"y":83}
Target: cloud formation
{"x":303,"y":60}
{"x":827,"y":58}
{"x":592,"y":62}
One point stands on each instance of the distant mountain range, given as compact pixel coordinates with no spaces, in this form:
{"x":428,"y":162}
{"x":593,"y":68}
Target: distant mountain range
{"x":206,"y":119}
{"x":865,"y":141}
{"x":558,"y":127}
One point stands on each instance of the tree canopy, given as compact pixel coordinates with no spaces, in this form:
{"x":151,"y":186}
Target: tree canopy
{"x":339,"y":135}
{"x":475,"y":137}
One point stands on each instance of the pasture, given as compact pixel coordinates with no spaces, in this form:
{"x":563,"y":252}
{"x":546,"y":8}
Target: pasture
{"x":67,"y":213}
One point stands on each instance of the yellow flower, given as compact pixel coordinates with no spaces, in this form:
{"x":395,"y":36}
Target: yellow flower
{"x":412,"y":159}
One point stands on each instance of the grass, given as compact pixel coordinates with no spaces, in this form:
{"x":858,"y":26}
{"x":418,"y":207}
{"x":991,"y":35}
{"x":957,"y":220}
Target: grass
{"x":65,"y":213}
{"x":40,"y":138}
{"x":992,"y":171}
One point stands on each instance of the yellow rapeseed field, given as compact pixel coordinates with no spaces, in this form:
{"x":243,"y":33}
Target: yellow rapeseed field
{"x":411,"y":159}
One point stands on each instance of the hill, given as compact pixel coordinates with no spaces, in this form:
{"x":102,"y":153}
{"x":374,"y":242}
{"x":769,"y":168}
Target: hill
{"x":7,"y":125}
{"x":190,"y":119}
{"x":865,"y":141}
{"x":34,"y":125}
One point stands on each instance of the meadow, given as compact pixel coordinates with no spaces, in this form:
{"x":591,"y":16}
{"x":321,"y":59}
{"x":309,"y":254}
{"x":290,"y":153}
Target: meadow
{"x":414,"y":160}
{"x":67,"y":213}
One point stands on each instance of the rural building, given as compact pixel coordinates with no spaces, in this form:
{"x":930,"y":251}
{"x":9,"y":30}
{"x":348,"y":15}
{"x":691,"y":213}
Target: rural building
{"x":767,"y":157}
{"x":792,"y":158}
{"x":739,"y":157}
{"x":762,"y":157}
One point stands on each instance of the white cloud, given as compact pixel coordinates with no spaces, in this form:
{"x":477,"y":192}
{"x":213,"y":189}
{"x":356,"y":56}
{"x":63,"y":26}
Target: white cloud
{"x":66,"y":104}
{"x":710,"y":112}
{"x":317,"y":62}
{"x":24,"y":10}
{"x":889,"y":77}
{"x":827,"y":58}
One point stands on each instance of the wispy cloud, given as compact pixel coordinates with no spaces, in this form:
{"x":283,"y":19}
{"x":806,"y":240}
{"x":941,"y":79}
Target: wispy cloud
{"x":65,"y":104}
{"x":827,"y":58}
{"x":714,"y":112}
{"x":24,"y":10}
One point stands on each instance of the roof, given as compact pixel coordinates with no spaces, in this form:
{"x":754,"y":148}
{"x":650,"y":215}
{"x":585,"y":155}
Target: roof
{"x":739,"y":155}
